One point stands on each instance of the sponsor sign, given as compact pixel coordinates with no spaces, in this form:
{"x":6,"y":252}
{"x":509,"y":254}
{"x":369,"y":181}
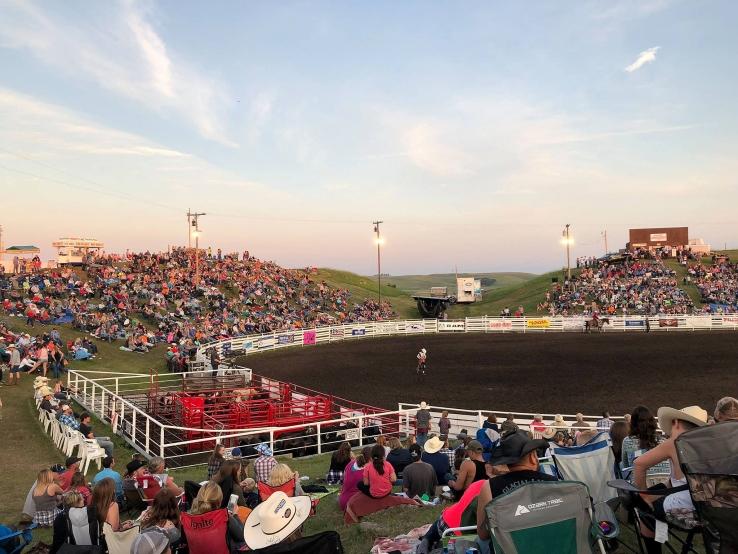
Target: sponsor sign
{"x":537,"y":506}
{"x":669,"y":322}
{"x":730,"y":320}
{"x":360,"y":332}
{"x":416,"y":327}
{"x":635,"y":322}
{"x":337,"y":333}
{"x":451,"y":326}
{"x":308,"y":337}
{"x":386,"y":327}
{"x":658,"y":237}
{"x":499,"y":325}
{"x":226,"y":348}
{"x":538,"y":323}
{"x":352,"y":434}
{"x":699,"y":322}
{"x":248,"y":345}
{"x":264,"y":342}
{"x":285,"y":339}
{"x":573,"y":323}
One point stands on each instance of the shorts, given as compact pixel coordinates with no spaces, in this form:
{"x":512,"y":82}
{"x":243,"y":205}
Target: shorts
{"x":15,"y":369}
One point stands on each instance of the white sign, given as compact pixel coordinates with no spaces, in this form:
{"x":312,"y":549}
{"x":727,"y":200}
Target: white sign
{"x":499,"y":325}
{"x":451,"y":326}
{"x":658,"y":237}
{"x":730,"y":320}
{"x":699,"y":322}
{"x":417,"y":327}
{"x":574,"y":323}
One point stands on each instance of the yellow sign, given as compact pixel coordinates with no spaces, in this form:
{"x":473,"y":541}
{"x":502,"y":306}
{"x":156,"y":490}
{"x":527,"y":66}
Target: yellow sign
{"x":539,"y":323}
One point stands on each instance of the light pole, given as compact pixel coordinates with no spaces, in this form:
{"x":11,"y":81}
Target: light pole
{"x":567,"y":240}
{"x":379,"y":240}
{"x":195,"y":230}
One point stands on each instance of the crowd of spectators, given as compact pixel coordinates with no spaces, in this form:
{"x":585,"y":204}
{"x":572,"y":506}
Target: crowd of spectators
{"x":143,"y":299}
{"x":717,"y":283}
{"x":637,"y":284}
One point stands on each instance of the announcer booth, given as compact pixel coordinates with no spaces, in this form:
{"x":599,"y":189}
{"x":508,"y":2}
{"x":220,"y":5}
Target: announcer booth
{"x":75,"y":251}
{"x":659,"y":237}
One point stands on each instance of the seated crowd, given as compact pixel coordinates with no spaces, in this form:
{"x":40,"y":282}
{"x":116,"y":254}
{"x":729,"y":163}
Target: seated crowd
{"x":718,"y":285}
{"x":145,"y":299}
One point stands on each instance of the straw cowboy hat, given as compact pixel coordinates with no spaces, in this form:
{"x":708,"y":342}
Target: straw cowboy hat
{"x":275,"y":519}
{"x":559,"y":421}
{"x":46,"y":391}
{"x":549,"y":433}
{"x":692,"y":414}
{"x":433,"y":445}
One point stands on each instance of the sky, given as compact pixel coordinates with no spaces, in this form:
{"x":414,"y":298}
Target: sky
{"x":475,"y":131}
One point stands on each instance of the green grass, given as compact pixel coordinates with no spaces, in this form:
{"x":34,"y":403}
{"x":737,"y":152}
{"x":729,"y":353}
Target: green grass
{"x":415,"y":283}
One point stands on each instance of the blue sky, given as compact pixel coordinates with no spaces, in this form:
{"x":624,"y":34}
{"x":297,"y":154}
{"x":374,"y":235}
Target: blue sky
{"x":475,"y":130}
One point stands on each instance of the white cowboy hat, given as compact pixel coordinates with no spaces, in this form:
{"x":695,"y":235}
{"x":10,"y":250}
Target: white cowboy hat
{"x":275,"y":519}
{"x":692,"y":414}
{"x":422,"y":350}
{"x":559,"y":420}
{"x":423,"y":405}
{"x":433,"y":445}
{"x":45,"y":391}
{"x":549,"y":433}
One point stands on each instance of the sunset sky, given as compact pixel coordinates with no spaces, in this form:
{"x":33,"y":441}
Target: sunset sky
{"x":474,"y":130}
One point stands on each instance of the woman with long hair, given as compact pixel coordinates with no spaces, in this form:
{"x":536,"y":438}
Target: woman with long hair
{"x":215,"y":461}
{"x":352,"y":475}
{"x":163,"y":515}
{"x":339,"y":459}
{"x":79,"y":484}
{"x":398,"y":456}
{"x":227,"y":478}
{"x":644,"y":436}
{"x":281,"y":474}
{"x":209,"y":498}
{"x":106,"y":508}
{"x":379,"y":475}
{"x":46,"y":495}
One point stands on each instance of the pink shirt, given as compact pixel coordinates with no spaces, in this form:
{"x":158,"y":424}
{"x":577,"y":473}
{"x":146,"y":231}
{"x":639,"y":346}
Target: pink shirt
{"x":379,"y":485}
{"x":351,"y":478}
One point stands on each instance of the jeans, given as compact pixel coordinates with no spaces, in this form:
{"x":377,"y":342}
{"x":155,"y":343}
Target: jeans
{"x":421,"y":437}
{"x":106,"y":445}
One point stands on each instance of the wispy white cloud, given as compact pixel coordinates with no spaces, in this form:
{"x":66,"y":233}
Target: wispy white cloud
{"x":647,"y":56}
{"x":124,"y":54}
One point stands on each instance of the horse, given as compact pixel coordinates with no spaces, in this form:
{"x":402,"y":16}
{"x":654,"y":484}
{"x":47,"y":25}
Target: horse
{"x":596,"y":324}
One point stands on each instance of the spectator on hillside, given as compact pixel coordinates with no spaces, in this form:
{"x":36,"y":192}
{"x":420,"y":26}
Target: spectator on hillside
{"x":519,"y":453}
{"x":46,"y":497}
{"x":437,"y":459}
{"x":108,"y":471}
{"x":643,"y":436}
{"x":79,"y":485}
{"x":537,"y":425}
{"x":65,"y":478}
{"x":229,"y":482}
{"x":444,"y":425}
{"x":491,"y":422}
{"x":382,"y":441}
{"x":603,"y":425}
{"x":419,"y":478}
{"x":66,"y":417}
{"x":673,"y":423}
{"x":726,"y":409}
{"x":105,"y":506}
{"x":210,"y":498}
{"x":264,"y":464}
{"x":422,"y":423}
{"x":163,"y":516}
{"x":509,"y":425}
{"x":15,"y":362}
{"x":157,"y":467}
{"x":472,"y":469}
{"x":339,"y":459}
{"x":378,"y":475}
{"x":86,"y":429}
{"x":281,"y":474}
{"x":135,"y":469}
{"x":77,"y":518}
{"x":353,"y":474}
{"x":48,"y":402}
{"x":398,"y":456}
{"x":215,"y":461}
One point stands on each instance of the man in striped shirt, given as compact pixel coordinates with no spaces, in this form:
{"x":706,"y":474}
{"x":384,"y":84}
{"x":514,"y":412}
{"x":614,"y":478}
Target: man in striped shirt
{"x":604,"y":424}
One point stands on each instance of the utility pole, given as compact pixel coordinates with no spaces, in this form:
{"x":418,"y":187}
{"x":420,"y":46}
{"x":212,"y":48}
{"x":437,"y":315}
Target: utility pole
{"x":378,"y":240}
{"x":193,"y":217}
{"x":189,"y":229}
{"x":568,"y":259}
{"x":604,"y":236}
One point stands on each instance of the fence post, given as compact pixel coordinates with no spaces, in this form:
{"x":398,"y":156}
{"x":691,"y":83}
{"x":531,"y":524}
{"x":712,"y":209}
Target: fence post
{"x":320,"y":451}
{"x":161,"y":441}
{"x":146,"y":443}
{"x":271,"y":440}
{"x":133,"y":425}
{"x":480,"y":419}
{"x":361,"y":431}
{"x":116,"y":386}
{"x":92,"y":402}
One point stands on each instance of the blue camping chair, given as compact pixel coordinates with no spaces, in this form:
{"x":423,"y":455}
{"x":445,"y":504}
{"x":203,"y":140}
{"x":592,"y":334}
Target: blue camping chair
{"x":13,"y":542}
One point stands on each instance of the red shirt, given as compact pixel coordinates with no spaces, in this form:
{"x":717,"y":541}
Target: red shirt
{"x":379,"y":485}
{"x":65,"y":479}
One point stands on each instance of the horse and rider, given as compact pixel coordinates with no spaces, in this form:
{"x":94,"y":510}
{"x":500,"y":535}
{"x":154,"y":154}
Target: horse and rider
{"x":596,"y":323}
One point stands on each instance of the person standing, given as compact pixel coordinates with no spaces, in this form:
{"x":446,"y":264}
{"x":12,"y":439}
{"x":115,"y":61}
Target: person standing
{"x":422,"y":359}
{"x":15,"y":362}
{"x":422,"y":423}
{"x":444,"y":425}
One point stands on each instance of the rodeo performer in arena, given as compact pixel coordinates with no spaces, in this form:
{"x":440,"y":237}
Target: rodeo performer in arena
{"x":422,"y":358}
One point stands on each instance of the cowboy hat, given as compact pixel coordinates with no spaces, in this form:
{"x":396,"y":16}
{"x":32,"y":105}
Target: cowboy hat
{"x":46,"y":391}
{"x":433,"y":445}
{"x":692,"y":414}
{"x":275,"y":519}
{"x":515,"y":446}
{"x":549,"y":433}
{"x":11,"y":346}
{"x":559,"y":420}
{"x":423,"y":405}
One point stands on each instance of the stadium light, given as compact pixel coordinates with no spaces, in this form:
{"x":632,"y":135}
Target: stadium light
{"x":567,"y":240}
{"x":379,"y":241}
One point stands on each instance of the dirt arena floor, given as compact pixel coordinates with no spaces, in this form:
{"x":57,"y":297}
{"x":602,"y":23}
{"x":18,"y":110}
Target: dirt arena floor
{"x":550,"y":373}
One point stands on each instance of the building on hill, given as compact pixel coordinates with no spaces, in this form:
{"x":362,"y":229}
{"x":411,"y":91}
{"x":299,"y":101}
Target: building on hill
{"x":659,"y":237}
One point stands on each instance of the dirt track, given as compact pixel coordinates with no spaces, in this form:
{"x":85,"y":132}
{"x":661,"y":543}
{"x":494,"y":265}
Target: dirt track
{"x":550,"y":373}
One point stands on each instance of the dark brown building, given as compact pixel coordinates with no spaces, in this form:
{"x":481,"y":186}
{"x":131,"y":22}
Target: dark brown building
{"x":659,"y":236}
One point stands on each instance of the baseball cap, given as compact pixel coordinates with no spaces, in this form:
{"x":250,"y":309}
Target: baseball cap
{"x":514,"y":446}
{"x":72,"y":460}
{"x":134,"y":465}
{"x":475,"y":446}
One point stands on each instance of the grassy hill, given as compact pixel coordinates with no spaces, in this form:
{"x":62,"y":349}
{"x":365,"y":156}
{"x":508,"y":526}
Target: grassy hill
{"x":414,"y":283}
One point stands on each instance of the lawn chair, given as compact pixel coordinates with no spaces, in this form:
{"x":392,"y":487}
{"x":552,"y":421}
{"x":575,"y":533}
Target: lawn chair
{"x":327,"y":541}
{"x":265,"y":491}
{"x":119,"y":542}
{"x":554,"y":517}
{"x":592,"y":463}
{"x":708,"y":457}
{"x":206,"y":533}
{"x":89,"y":451}
{"x":13,"y":542}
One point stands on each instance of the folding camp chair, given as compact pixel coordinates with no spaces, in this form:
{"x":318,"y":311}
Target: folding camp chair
{"x":327,"y":541}
{"x":119,"y":542}
{"x":708,"y":457}
{"x":13,"y":542}
{"x":206,"y":533}
{"x":553,"y":517}
{"x":265,"y":491}
{"x":592,"y":463}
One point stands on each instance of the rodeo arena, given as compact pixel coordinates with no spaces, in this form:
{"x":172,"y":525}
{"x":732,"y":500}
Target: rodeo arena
{"x":210,"y":402}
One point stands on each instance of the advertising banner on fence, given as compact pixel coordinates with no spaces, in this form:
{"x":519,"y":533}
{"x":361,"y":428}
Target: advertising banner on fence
{"x":286,"y":339}
{"x":337,"y":333}
{"x":451,"y":326}
{"x":539,"y":323}
{"x":730,"y":320}
{"x":499,"y":325}
{"x":386,"y":327}
{"x":264,"y":342}
{"x":668,"y":322}
{"x":573,"y":323}
{"x":308,"y":337}
{"x":635,"y":322}
{"x":699,"y":322}
{"x":415,"y":327}
{"x":360,"y":332}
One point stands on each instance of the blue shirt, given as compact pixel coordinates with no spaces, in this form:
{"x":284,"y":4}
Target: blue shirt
{"x":69,"y":421}
{"x":114,"y":475}
{"x":440,"y":462}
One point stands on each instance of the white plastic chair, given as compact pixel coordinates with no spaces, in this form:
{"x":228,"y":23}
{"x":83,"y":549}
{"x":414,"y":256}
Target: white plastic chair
{"x":89,"y":450}
{"x":71,"y":439}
